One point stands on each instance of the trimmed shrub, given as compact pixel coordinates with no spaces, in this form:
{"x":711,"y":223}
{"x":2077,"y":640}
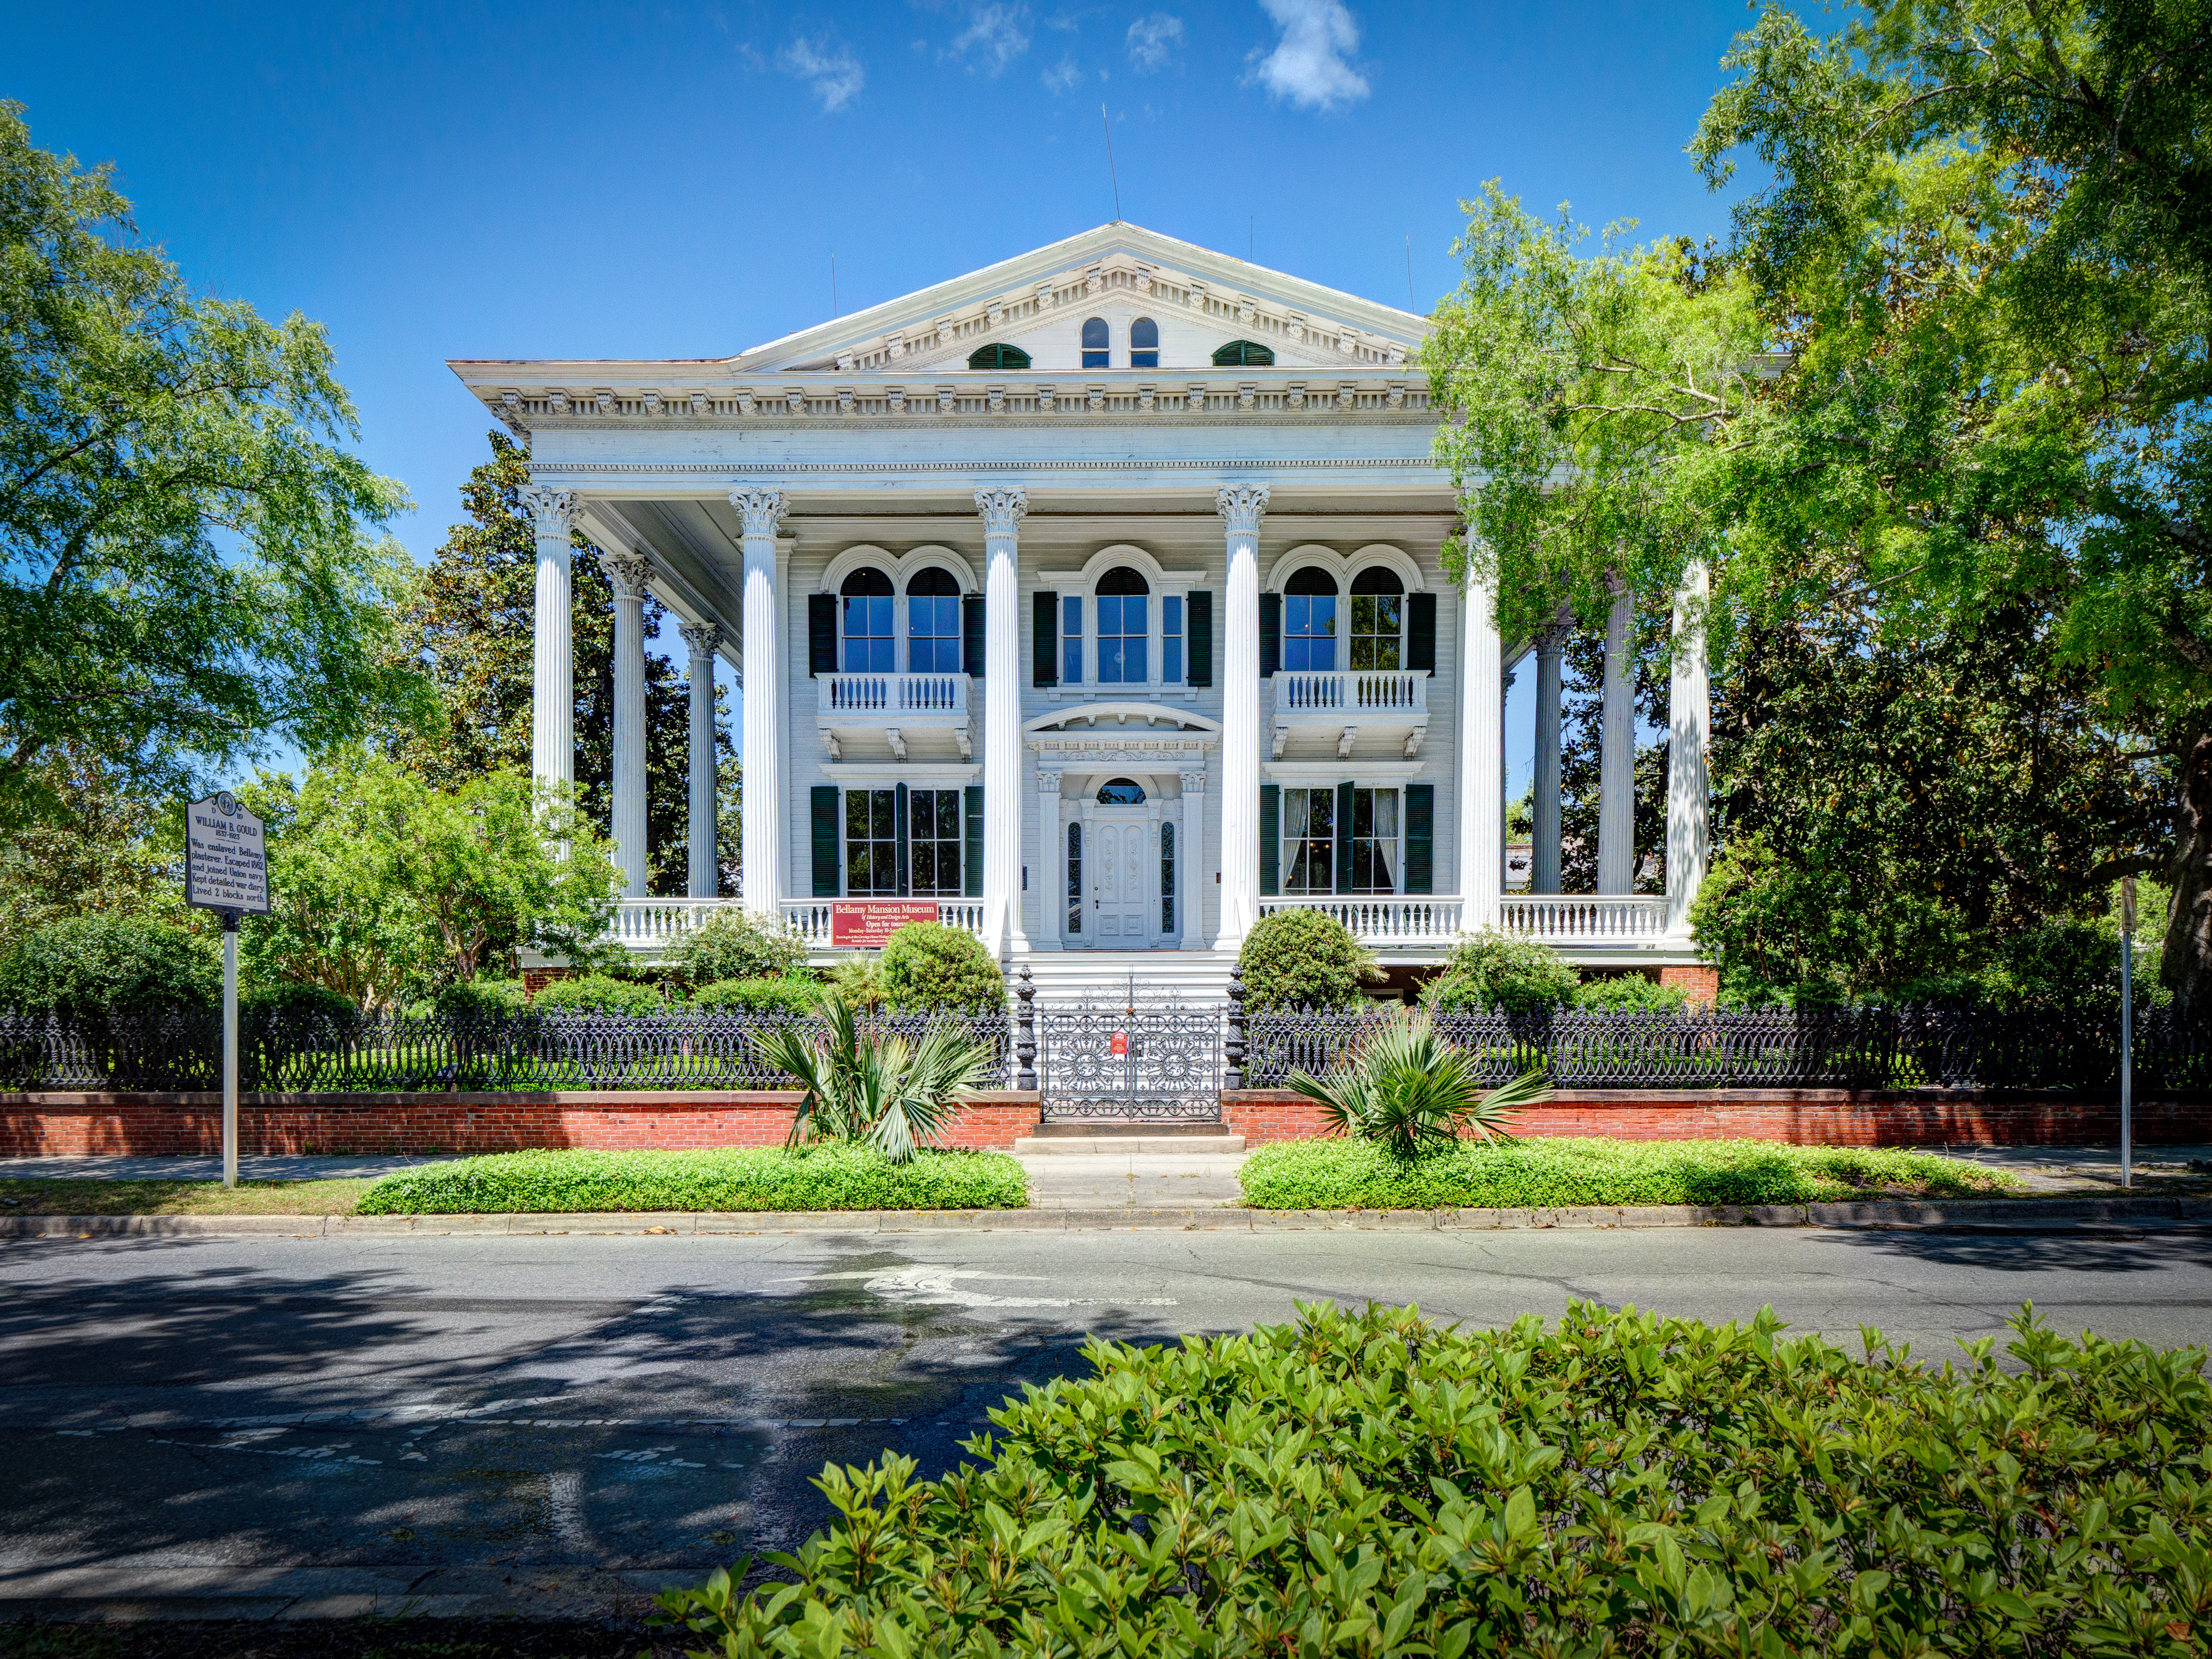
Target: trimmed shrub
{"x":1491,"y":970}
{"x":736,"y":943}
{"x":826,"y":1177}
{"x":1298,"y":958}
{"x":596,"y":993}
{"x":929,"y":967}
{"x":1372,"y":1483}
{"x":1630,"y":993}
{"x":481,"y":997}
{"x":93,"y":964}
{"x":754,"y":996}
{"x":1541,"y":1173}
{"x":288,"y":1001}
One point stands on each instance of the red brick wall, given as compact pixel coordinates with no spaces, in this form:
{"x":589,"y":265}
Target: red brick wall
{"x":1701,"y":980}
{"x":535,"y":980}
{"x":74,"y":1125}
{"x":1805,"y":1117}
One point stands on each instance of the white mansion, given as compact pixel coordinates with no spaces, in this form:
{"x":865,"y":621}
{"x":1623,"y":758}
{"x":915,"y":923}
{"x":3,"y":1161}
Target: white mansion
{"x":1093,"y":600}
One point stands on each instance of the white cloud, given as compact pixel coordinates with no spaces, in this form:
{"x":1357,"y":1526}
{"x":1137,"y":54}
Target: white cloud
{"x":997,"y":35}
{"x":832,"y":71}
{"x":1154,"y":41}
{"x":1063,"y":76}
{"x":1311,"y":65}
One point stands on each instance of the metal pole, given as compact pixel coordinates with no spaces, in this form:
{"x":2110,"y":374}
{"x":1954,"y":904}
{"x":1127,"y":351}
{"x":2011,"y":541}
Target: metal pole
{"x":230,"y":1049}
{"x":2127,"y":1030}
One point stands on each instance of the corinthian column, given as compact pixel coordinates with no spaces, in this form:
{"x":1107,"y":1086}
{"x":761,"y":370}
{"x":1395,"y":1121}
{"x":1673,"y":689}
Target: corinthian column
{"x":1482,"y":758}
{"x":1689,"y":715}
{"x":761,"y":512}
{"x":627,"y":574}
{"x":1241,"y":507}
{"x":1544,"y":870}
{"x":704,"y":874}
{"x":1002,"y":510}
{"x":552,"y":648}
{"x":1616,"y":773}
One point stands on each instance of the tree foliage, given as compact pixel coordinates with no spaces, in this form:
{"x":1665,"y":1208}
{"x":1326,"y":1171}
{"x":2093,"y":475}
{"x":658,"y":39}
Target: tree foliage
{"x":188,"y":558}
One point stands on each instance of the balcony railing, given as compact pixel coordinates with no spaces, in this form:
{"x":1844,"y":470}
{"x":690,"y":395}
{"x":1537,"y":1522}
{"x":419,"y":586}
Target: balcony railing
{"x":1381,"y":919}
{"x":810,"y":918}
{"x":893,"y":695}
{"x":652,"y":924}
{"x":1376,"y":694}
{"x":1581,"y":919}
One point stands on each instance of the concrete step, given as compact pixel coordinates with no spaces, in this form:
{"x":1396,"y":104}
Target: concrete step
{"x":1107,"y":1127}
{"x":1190,"y":976}
{"x":1179,"y":1145}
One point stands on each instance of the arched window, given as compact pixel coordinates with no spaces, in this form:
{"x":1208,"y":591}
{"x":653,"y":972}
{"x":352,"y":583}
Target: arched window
{"x":1144,"y":344}
{"x":933,"y":622}
{"x":1309,"y":622}
{"x":1096,"y":354}
{"x":1122,"y":605}
{"x":1244,"y":354}
{"x":870,"y":646}
{"x":1378,"y":620}
{"x":999,"y":356}
{"x":1120,"y":792}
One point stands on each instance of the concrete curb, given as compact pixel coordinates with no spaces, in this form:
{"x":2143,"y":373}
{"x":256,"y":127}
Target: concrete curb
{"x":2004,"y":1214}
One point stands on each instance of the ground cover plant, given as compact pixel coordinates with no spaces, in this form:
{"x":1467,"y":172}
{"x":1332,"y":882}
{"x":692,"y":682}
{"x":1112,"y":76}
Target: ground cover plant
{"x":1375,"y":1484}
{"x":1542,"y":1172}
{"x":22,"y":1196}
{"x":834,"y":1176}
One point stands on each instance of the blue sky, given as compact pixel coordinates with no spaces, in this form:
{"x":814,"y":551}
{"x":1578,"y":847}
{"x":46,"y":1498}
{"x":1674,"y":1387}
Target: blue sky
{"x":674,"y":180}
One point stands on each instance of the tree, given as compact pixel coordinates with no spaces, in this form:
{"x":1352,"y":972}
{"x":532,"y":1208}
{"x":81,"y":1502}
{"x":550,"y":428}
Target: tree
{"x":111,"y":845}
{"x":188,"y":564}
{"x":470,"y":627}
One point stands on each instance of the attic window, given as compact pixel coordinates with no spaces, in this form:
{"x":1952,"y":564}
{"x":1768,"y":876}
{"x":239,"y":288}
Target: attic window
{"x":1244,"y":354}
{"x":999,"y":356}
{"x":1095,"y":352}
{"x":1144,"y":344}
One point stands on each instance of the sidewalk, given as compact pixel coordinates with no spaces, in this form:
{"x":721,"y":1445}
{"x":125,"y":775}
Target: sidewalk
{"x":1137,"y":1181}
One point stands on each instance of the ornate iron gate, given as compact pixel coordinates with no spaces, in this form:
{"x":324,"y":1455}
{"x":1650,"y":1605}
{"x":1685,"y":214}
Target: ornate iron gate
{"x":1130,"y":1060}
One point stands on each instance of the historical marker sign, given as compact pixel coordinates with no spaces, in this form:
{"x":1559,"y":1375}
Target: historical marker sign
{"x":226,"y":857}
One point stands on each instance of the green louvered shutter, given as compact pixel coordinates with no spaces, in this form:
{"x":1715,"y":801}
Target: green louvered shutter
{"x":1420,"y":837}
{"x":1044,"y":647}
{"x":971,"y":845}
{"x":971,"y":634}
{"x":826,"y":841}
{"x":821,"y":633}
{"x":1270,"y":633}
{"x":1421,"y":633}
{"x":898,"y":827}
{"x":1343,"y":837}
{"x":1201,"y":607}
{"x":1271,"y":834}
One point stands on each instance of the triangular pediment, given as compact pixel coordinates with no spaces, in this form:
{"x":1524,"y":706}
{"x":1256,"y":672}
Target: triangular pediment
{"x":1037,"y":302}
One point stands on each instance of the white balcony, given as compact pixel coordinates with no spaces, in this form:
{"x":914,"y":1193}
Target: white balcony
{"x":1382,"y":918}
{"x":1395,"y":702}
{"x":893,"y":707}
{"x":810,"y":918}
{"x":651,"y":926}
{"x":1571,"y":919}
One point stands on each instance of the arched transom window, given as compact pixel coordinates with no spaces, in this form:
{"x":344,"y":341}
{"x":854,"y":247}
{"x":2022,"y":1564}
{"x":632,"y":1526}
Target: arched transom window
{"x":997,"y":356}
{"x":1120,"y":792}
{"x":1309,"y":622}
{"x":1378,"y":620}
{"x":1244,"y":354}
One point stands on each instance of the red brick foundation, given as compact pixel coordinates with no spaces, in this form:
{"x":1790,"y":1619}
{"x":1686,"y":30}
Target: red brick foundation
{"x":1700,"y":980}
{"x":535,"y":980}
{"x":63,"y":1125}
{"x":1804,"y":1117}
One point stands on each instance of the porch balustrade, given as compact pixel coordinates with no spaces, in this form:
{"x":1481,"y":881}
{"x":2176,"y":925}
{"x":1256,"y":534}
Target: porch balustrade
{"x":1381,"y":919}
{"x":1582,"y":919}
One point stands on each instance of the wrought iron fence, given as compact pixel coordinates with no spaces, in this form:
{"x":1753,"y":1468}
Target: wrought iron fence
{"x":321,"y":1054}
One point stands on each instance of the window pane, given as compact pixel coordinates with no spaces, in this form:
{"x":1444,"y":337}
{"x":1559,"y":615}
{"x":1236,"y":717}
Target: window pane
{"x":1071,"y":629}
{"x":1172,"y":660}
{"x":1171,"y":616}
{"x":883,"y":808}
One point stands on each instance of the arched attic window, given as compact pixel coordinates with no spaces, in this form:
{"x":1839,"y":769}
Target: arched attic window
{"x":1309,"y":621}
{"x":1144,"y":344}
{"x":1096,"y":353}
{"x":997,"y":356}
{"x":870,"y":646}
{"x":1244,"y":354}
{"x":1378,"y":620}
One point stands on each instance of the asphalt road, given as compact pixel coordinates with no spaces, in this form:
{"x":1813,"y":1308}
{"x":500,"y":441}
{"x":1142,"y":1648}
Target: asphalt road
{"x":457,"y":1425}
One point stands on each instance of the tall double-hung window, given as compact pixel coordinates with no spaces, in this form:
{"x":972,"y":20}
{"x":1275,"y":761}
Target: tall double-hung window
{"x":1378,"y":621}
{"x":870,"y":644}
{"x":1124,"y":604}
{"x":933,"y":622}
{"x":1309,"y":622}
{"x":932,"y":846}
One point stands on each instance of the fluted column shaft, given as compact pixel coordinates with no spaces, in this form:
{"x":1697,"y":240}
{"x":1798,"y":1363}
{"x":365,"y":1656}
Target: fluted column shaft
{"x":1543,"y":873}
{"x":1616,"y":791}
{"x":1482,"y":758}
{"x":552,"y":650}
{"x":627,"y":574}
{"x":760,"y":513}
{"x":703,"y":876}
{"x":1241,"y":507}
{"x":1689,"y":718}
{"x":1002,"y":510}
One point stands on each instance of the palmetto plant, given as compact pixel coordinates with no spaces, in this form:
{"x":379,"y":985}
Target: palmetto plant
{"x":872,"y":1087}
{"x":1413,"y":1091}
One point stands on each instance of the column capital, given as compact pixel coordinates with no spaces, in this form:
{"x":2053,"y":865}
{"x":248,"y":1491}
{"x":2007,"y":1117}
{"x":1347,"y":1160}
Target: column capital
{"x":553,"y":511}
{"x":704,"y":638}
{"x":1002,"y":509}
{"x":1243,"y":506}
{"x":1194,"y":783}
{"x":627,"y":573}
{"x":762,"y":511}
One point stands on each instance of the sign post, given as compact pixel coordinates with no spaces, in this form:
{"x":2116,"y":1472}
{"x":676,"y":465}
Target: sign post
{"x":226,"y":871}
{"x":2127,"y":1030}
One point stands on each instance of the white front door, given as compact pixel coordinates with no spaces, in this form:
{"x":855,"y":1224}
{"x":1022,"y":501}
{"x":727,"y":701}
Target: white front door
{"x":1117,"y":883}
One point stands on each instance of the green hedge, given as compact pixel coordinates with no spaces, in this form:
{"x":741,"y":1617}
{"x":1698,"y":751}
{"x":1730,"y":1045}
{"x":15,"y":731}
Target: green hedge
{"x":1372,"y":1484}
{"x":828,"y":1177}
{"x":926,"y":967}
{"x":1334,"y":1173}
{"x":1294,"y":958}
{"x":598,"y":994}
{"x":754,"y":996}
{"x":107,"y":963}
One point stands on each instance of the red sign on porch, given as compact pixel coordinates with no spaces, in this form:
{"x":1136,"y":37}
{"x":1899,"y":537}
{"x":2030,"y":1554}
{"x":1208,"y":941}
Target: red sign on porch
{"x":1120,"y":1045}
{"x":868,"y":923}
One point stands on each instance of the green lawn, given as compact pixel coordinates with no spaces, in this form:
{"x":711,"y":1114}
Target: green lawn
{"x":828,"y":1177}
{"x":68,"y":1197}
{"x":1332,"y":1174}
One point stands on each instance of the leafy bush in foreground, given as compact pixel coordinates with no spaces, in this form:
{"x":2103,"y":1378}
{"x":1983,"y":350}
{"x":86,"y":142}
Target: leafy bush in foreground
{"x":1294,"y":958}
{"x":1492,"y":970}
{"x":736,"y":943}
{"x":599,"y":994}
{"x":834,"y":1177}
{"x":928,"y":967}
{"x":754,"y":996}
{"x":96,"y":964}
{"x":1371,"y":1484}
{"x":1332,"y":1174}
